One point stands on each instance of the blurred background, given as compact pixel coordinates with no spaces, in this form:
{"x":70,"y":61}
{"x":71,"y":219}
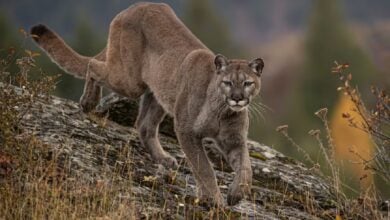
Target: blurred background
{"x":299,"y":41}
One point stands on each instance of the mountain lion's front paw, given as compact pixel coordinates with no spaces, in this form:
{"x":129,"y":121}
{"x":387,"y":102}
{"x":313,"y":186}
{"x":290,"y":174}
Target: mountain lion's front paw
{"x":237,"y":191}
{"x":234,"y":195}
{"x":208,"y":201}
{"x":168,"y":161}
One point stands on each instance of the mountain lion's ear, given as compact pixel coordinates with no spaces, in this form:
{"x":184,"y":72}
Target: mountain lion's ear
{"x":257,"y":66}
{"x":220,"y":62}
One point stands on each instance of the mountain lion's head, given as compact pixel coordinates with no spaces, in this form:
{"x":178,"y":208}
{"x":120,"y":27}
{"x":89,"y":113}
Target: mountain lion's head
{"x":239,"y":80}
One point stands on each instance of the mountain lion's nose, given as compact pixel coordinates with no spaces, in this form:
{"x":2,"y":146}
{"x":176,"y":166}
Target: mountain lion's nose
{"x":237,"y":97}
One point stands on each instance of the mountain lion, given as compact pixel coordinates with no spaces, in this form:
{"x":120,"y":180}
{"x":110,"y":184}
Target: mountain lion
{"x":151,"y":53}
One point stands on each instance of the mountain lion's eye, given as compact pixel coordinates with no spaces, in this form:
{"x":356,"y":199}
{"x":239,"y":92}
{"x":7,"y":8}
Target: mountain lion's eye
{"x":227,"y":83}
{"x":248,"y":83}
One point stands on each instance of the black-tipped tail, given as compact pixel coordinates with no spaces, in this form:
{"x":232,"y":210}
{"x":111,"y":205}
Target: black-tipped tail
{"x":38,"y":31}
{"x":59,"y":51}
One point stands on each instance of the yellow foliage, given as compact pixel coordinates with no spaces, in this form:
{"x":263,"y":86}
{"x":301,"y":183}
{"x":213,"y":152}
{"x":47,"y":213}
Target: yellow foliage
{"x":350,"y":142}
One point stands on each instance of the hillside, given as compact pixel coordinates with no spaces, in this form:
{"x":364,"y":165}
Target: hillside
{"x":95,"y":154}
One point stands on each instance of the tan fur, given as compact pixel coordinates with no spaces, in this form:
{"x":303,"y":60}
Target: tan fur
{"x":151,"y":53}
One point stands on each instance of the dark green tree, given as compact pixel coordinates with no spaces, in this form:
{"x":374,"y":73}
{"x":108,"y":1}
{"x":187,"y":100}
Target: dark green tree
{"x":8,"y":33}
{"x":12,"y":42}
{"x":328,"y":39}
{"x":209,"y":27}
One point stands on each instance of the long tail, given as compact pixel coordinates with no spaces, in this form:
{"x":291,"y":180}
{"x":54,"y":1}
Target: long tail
{"x":60,"y":53}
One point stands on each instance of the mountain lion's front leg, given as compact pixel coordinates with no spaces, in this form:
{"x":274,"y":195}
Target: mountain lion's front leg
{"x":234,"y":146}
{"x":206,"y":181}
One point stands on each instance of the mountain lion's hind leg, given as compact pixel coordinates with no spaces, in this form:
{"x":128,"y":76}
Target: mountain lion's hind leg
{"x":150,"y":116}
{"x":91,"y":95}
{"x":92,"y":90}
{"x":98,"y":69}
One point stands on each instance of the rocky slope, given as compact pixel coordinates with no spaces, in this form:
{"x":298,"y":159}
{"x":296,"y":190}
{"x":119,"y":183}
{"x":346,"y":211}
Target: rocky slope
{"x":96,"y":145}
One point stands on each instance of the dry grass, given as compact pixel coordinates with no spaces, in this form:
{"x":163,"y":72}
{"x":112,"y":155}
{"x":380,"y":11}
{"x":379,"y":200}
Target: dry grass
{"x":32,"y":185}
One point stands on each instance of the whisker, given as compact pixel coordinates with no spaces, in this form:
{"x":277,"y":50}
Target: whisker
{"x":260,"y":113}
{"x":251,"y":114}
{"x":264,"y":105}
{"x":257,"y":113}
{"x":258,"y":109}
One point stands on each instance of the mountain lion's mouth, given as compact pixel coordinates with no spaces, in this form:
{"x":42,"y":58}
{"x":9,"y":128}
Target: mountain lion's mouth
{"x":237,"y":105}
{"x":237,"y":108}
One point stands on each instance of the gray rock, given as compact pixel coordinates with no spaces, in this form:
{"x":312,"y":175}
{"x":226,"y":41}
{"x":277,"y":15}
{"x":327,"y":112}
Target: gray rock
{"x":282,"y":188}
